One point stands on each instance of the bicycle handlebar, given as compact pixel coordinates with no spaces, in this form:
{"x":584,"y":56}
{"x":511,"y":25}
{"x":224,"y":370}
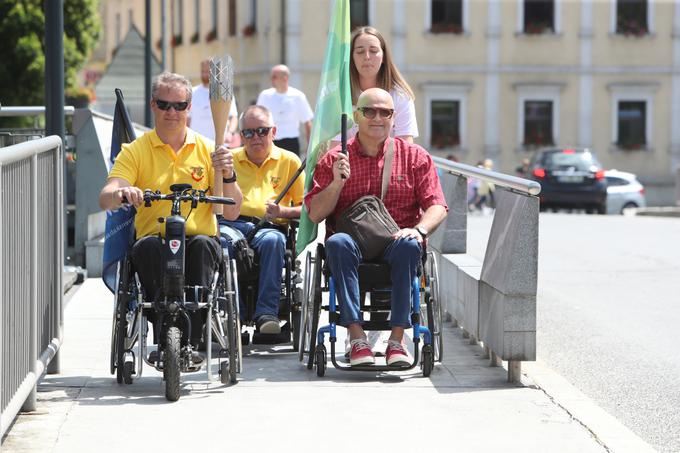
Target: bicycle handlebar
{"x":192,"y":195}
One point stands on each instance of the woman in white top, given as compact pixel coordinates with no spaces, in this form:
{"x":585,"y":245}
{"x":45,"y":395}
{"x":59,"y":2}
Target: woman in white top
{"x":371,"y":66}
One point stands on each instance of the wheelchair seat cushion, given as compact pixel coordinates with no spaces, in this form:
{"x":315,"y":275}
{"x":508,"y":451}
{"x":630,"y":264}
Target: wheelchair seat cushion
{"x":374,"y":274}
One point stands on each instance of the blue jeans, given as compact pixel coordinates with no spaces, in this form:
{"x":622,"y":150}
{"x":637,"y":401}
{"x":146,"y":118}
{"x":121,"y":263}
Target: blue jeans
{"x":270,"y":246}
{"x":344,"y":256}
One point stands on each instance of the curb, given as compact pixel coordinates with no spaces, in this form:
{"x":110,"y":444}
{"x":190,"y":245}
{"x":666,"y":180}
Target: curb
{"x":605,"y":428}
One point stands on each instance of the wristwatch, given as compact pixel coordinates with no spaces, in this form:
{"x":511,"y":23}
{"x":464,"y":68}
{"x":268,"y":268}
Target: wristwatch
{"x":422,"y":231}
{"x":229,"y":180}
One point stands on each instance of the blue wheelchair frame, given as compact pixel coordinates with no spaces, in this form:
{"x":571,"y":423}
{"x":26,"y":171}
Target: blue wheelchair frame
{"x":320,"y":355}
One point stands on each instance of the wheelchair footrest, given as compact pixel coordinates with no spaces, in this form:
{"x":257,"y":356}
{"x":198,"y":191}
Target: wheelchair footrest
{"x":263,"y":338}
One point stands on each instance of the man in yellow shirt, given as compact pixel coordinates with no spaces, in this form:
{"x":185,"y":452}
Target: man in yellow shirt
{"x":169,"y":154}
{"x":263,"y":171}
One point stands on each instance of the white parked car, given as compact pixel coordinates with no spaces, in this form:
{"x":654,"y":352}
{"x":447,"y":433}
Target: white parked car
{"x":624,"y":191}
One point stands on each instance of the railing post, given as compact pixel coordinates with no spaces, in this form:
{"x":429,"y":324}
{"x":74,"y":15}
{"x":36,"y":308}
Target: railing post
{"x":30,"y":403}
{"x":58,"y":310}
{"x":3,"y":353}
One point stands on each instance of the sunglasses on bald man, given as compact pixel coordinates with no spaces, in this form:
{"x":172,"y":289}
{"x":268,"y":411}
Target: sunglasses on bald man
{"x":167,"y":105}
{"x":260,"y":131}
{"x":370,"y":112}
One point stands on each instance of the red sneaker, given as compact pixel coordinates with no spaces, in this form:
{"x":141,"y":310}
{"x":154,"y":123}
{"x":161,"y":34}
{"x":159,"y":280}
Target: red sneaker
{"x":396,"y":354}
{"x":361,"y":353}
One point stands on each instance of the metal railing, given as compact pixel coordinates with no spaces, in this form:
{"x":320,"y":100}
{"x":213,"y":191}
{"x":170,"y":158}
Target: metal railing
{"x":12,"y":136}
{"x":493,"y":301}
{"x":31,"y":263}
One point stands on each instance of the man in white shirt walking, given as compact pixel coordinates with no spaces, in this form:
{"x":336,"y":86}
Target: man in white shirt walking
{"x":200,"y":117}
{"x":289,"y":106}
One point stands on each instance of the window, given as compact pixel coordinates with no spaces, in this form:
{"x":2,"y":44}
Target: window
{"x":445,"y":115}
{"x":251,"y":28}
{"x":131,"y":18}
{"x":539,"y":16}
{"x":632,"y":107}
{"x":447,"y":16}
{"x":177,"y":23}
{"x":538,"y":114}
{"x":538,"y":118}
{"x":358,"y":13}
{"x":197,"y":22}
{"x":444,"y":124}
{"x":232,"y":17}
{"x":631,"y":125}
{"x":212,"y":34}
{"x":632,"y":17}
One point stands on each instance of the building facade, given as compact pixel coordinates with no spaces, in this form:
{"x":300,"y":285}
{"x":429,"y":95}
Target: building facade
{"x":494,"y":78}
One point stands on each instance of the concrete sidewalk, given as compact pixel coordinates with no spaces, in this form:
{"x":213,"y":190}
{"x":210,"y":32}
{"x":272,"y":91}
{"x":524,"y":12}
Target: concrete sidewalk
{"x":464,"y":406}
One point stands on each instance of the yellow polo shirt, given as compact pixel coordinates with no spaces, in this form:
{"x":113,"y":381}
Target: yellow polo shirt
{"x":148,"y":163}
{"x":267,"y":181}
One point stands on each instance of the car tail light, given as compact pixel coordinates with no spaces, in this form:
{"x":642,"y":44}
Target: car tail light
{"x":568,"y":151}
{"x":539,"y":172}
{"x":642,"y":190}
{"x":599,"y":174}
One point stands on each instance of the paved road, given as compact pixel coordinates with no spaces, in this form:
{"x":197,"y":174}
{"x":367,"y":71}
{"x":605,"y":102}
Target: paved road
{"x":609,"y":313}
{"x":465,"y":405}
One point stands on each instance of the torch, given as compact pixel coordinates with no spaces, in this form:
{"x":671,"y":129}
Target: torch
{"x":221,"y":94}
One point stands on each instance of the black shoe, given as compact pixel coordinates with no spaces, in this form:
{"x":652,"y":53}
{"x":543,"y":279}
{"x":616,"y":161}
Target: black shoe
{"x":196,"y":359}
{"x":153,"y":357}
{"x":268,"y":325}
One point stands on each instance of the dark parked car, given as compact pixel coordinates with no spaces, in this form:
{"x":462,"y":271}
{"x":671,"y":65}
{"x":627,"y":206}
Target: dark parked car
{"x":570,"y":178}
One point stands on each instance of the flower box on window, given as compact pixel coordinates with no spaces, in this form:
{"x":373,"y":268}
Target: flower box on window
{"x":633,"y":28}
{"x":249,"y":30}
{"x":176,"y":41}
{"x":631,"y":146}
{"x":195,"y":38}
{"x":537,"y":28}
{"x":446,"y":28}
{"x":211,"y":36}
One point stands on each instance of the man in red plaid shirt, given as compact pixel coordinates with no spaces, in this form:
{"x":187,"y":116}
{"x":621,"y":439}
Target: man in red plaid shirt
{"x":414,"y":199}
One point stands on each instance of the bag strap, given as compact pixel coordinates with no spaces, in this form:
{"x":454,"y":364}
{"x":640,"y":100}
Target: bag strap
{"x":387,"y":168}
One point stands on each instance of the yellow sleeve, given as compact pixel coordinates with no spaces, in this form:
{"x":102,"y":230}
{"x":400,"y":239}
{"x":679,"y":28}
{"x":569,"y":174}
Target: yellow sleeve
{"x":126,"y":166}
{"x":297,"y":190}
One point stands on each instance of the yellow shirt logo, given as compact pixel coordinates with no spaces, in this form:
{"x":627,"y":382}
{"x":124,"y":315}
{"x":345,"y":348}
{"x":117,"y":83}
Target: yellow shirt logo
{"x":275,"y":181}
{"x":197,"y":173}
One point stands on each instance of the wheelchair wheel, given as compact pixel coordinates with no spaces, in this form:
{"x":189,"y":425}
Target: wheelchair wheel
{"x":234,"y":335}
{"x":128,"y":371}
{"x":427,"y":363}
{"x":434,"y":308}
{"x":296,"y":317}
{"x":320,"y":359}
{"x":119,"y":324}
{"x":302,"y":332}
{"x":314,"y":306}
{"x":171,"y":363}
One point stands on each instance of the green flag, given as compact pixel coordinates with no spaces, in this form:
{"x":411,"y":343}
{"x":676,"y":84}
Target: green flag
{"x":333,"y":99}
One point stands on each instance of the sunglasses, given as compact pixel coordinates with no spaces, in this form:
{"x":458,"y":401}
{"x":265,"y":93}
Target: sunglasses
{"x":167,"y":105}
{"x":260,"y":131}
{"x":370,"y":112}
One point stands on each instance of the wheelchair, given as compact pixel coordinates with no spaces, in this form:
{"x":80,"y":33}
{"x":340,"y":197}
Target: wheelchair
{"x":290,"y":300}
{"x":374,"y":280}
{"x":173,"y":312}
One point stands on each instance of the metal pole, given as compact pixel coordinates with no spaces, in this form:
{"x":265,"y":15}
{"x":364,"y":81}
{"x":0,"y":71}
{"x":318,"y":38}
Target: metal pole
{"x":54,"y":77}
{"x":147,"y":66}
{"x":54,"y":68}
{"x":164,"y":41}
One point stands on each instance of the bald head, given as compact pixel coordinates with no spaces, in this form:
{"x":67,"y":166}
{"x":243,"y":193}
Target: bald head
{"x":374,"y":115}
{"x":279,"y":76}
{"x":374,"y":96}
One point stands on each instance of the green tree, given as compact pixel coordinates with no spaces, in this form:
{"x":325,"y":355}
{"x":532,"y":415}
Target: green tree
{"x":22,"y":53}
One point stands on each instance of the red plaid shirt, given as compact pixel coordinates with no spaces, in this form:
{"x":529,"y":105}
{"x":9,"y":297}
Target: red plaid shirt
{"x":414,"y":184}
